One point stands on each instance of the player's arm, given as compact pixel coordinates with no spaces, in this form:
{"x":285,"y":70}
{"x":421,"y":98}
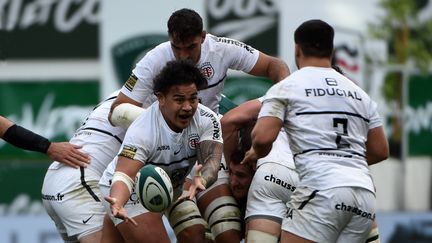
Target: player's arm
{"x":264,"y":134}
{"x":377,"y":148}
{"x":122,"y":99}
{"x":5,"y":124}
{"x":271,"y":67}
{"x":63,"y":152}
{"x":209,"y":156}
{"x":235,"y":119}
{"x":122,"y":185}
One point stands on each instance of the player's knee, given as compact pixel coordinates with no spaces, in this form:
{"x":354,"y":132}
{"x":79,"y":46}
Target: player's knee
{"x":184,"y":214}
{"x":373,"y":236}
{"x":223,"y":214}
{"x":255,"y":236}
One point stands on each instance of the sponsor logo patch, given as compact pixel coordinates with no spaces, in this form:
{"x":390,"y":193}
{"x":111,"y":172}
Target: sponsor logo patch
{"x":128,"y":151}
{"x":130,"y":83}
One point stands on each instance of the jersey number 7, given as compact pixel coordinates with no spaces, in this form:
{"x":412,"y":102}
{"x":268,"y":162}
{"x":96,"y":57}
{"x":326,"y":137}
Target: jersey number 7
{"x":344,"y":123}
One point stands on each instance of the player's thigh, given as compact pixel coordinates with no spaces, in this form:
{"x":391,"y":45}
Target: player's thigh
{"x":311,"y":216}
{"x":221,"y":212}
{"x":77,"y":206}
{"x":185,"y":219}
{"x":362,"y":212}
{"x":150,"y":229}
{"x":110,"y":234}
{"x":322,"y":216}
{"x":270,"y":190}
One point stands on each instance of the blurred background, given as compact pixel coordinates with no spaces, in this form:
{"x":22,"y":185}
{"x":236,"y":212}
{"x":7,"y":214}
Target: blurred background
{"x":59,"y":58}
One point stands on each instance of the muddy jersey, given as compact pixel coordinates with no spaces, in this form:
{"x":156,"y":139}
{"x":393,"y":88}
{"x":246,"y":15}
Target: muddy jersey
{"x":327,"y":118}
{"x":150,"y":141}
{"x":218,"y":54}
{"x":98,"y":138}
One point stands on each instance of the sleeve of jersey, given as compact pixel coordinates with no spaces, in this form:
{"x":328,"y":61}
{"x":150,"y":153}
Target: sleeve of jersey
{"x":275,"y":102}
{"x":136,"y":146}
{"x":139,"y":86}
{"x":209,"y":126}
{"x":374,"y":117}
{"x":241,"y":56}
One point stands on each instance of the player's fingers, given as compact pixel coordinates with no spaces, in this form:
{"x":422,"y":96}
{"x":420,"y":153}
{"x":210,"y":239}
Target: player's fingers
{"x":185,"y":195}
{"x":81,"y":157}
{"x":111,"y":200}
{"x":131,"y":220}
{"x":68,"y":162}
{"x":76,"y":146}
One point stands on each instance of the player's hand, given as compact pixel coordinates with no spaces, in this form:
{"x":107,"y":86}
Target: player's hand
{"x":250,"y":158}
{"x":119,"y":211}
{"x":196,"y":186}
{"x":68,"y":154}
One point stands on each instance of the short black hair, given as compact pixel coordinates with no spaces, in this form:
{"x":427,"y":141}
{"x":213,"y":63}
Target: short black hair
{"x":315,"y":38}
{"x":184,"y":24}
{"x":178,"y":72}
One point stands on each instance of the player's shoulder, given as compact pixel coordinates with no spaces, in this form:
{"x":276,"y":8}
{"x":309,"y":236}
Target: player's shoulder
{"x":221,"y":43}
{"x":203,"y":112}
{"x":159,"y":54}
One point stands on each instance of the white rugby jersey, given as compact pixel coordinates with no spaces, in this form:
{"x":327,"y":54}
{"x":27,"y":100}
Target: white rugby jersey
{"x":218,"y":54}
{"x":327,"y":118}
{"x":98,"y":138}
{"x":280,"y":152}
{"x":151,"y":141}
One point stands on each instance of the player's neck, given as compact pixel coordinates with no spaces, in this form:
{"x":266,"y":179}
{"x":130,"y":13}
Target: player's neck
{"x":314,"y":62}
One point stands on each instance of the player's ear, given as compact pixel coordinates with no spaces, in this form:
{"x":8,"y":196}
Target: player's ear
{"x":203,"y":35}
{"x":160,"y":96}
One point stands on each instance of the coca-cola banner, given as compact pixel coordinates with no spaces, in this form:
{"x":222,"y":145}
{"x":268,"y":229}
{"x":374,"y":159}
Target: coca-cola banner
{"x":49,"y":29}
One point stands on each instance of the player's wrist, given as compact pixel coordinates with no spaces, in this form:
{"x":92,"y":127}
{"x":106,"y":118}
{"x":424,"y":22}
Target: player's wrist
{"x":26,"y":139}
{"x":199,"y":176}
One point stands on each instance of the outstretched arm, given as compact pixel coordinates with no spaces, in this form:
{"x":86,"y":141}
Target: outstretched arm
{"x":63,"y":152}
{"x":239,"y":117}
{"x":122,"y":184}
{"x":209,"y":157}
{"x":264,"y":134}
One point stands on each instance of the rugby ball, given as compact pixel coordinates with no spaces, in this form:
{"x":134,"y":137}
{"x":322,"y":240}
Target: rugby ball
{"x":154,"y":189}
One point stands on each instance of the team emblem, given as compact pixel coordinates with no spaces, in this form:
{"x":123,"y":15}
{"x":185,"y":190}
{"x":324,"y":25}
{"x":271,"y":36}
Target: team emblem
{"x":207,"y":70}
{"x":193,"y":141}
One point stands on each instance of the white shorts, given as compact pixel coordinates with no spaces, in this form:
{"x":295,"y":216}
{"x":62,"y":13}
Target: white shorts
{"x":133,"y":206}
{"x":72,"y":199}
{"x":341,"y":214}
{"x":270,"y":190}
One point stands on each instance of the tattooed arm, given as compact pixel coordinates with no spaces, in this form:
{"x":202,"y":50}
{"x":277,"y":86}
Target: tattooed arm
{"x":209,"y":156}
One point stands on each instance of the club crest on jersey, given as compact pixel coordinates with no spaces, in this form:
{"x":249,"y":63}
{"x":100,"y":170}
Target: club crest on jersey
{"x":207,"y":70}
{"x":128,"y":151}
{"x":193,"y":140}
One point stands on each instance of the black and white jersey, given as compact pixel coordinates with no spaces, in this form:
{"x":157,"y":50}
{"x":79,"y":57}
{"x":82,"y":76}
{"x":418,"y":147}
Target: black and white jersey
{"x":150,"y":140}
{"x":98,"y":138}
{"x":327,"y":118}
{"x":218,"y":54}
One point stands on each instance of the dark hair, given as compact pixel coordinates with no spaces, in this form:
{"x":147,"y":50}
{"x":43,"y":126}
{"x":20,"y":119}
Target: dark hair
{"x":184,"y":24}
{"x":178,"y":72}
{"x":315,"y":38}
